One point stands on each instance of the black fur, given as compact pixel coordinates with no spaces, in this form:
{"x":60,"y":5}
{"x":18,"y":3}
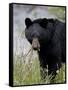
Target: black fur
{"x":51,"y":36}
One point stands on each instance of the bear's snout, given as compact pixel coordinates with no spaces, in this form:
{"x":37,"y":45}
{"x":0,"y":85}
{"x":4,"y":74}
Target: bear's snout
{"x":35,"y":44}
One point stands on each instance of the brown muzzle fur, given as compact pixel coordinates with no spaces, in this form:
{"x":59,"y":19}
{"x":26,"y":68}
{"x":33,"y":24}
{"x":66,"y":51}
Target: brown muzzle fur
{"x":35,"y":44}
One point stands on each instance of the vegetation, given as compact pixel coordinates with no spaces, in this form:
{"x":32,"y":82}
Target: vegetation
{"x":28,"y":73}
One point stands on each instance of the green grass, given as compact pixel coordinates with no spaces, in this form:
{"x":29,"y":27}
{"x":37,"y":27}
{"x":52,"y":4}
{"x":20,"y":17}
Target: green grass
{"x":28,"y":73}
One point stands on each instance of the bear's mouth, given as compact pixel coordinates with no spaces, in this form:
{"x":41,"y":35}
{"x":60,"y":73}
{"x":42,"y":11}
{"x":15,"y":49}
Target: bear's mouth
{"x":35,"y":44}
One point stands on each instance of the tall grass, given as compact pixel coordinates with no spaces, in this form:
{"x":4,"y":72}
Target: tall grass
{"x":28,"y":73}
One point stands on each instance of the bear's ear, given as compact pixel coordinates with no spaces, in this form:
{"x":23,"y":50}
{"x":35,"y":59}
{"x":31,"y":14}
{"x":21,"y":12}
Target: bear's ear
{"x":28,"y":22}
{"x":44,"y":22}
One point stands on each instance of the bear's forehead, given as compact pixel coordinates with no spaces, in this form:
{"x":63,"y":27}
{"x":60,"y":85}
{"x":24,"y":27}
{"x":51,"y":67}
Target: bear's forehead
{"x":35,"y":26}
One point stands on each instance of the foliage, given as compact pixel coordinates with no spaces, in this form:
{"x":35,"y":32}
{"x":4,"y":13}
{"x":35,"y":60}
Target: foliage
{"x":29,"y":73}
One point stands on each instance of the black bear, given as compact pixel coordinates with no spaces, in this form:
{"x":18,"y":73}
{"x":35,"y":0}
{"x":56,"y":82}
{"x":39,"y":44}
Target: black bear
{"x":47,"y":36}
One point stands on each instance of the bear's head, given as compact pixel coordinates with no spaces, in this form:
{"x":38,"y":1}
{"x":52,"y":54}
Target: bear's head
{"x":38,"y":32}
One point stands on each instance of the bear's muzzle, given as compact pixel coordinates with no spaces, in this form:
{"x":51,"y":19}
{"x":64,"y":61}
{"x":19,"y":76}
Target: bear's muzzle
{"x":36,"y":44}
